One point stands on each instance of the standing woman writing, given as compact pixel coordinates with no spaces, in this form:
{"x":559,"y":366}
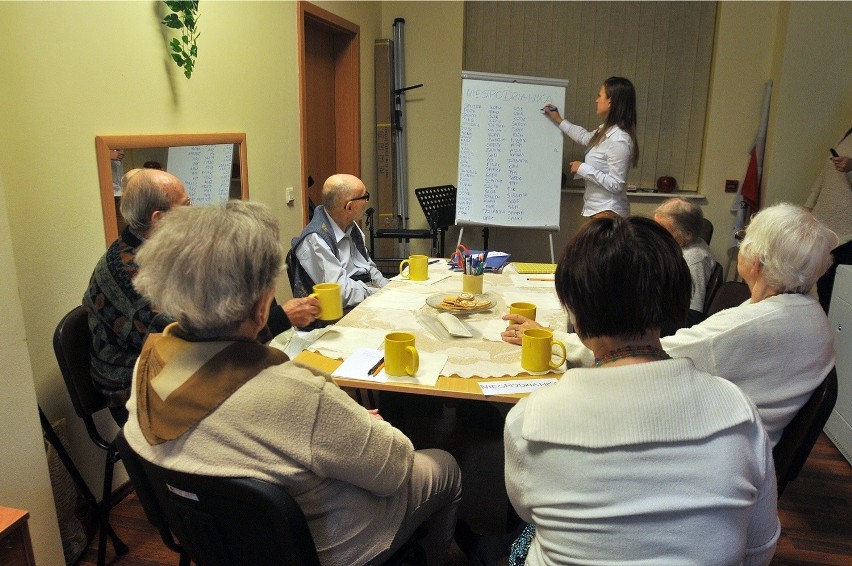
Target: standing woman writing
{"x":613,"y":149}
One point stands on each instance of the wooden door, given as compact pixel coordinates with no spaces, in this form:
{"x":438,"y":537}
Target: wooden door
{"x":330,"y":99}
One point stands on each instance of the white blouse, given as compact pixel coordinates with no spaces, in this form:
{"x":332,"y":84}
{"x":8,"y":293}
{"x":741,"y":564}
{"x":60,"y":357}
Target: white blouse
{"x":604,"y":170}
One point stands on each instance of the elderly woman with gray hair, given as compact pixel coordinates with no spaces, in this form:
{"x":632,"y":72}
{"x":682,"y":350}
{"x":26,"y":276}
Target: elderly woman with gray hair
{"x":208,"y":396}
{"x":684,"y":220}
{"x":777,"y":346}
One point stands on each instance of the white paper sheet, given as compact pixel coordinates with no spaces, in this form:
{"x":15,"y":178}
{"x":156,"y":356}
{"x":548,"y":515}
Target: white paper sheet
{"x":532,"y":280}
{"x":399,"y":299}
{"x":431,"y":366}
{"x":433,"y":278}
{"x":359,"y":364}
{"x":513,"y":386}
{"x":342,"y":341}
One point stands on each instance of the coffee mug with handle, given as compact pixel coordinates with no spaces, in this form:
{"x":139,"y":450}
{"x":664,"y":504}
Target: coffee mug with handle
{"x":401,"y":357}
{"x":537,"y":350}
{"x":331,"y":303}
{"x":418,"y":268}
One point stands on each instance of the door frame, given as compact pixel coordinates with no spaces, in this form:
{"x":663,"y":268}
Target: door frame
{"x":347,"y":107}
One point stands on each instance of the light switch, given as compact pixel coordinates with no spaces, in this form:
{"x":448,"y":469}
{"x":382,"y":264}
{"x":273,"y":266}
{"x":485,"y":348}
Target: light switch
{"x":289,"y":195}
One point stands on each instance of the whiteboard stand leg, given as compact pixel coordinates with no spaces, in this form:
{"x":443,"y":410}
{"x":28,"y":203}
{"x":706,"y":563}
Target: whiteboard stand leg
{"x":461,"y":233}
{"x":552,"y":260}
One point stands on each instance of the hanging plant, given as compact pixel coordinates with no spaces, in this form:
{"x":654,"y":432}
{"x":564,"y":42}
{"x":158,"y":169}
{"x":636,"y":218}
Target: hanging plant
{"x":184,"y":17}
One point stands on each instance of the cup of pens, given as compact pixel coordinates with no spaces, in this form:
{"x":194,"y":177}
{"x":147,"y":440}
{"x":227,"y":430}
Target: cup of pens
{"x":472,"y":283}
{"x":474,"y":269}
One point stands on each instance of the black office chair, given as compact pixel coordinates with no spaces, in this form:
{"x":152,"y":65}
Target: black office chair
{"x":730,"y":294}
{"x":145,"y":494}
{"x":713,"y":285}
{"x":71,"y":343}
{"x":706,"y":230}
{"x":221,"y":521}
{"x":289,"y":264}
{"x":439,"y":208}
{"x":800,"y":435}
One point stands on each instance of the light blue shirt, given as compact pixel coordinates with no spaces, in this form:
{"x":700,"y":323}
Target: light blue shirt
{"x":324,"y":267}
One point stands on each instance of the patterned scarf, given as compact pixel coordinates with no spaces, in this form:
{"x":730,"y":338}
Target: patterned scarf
{"x":180,"y":380}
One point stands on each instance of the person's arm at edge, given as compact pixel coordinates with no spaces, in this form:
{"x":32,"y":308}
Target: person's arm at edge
{"x":514,"y":471}
{"x":764,"y":527}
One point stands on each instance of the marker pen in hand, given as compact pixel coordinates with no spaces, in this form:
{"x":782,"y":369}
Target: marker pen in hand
{"x":550,"y":107}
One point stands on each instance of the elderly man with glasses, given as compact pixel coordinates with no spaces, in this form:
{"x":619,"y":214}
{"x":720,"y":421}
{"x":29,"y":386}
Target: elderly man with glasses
{"x":331,"y":247}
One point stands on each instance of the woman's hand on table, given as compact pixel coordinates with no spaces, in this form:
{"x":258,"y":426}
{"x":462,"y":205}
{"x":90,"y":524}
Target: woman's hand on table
{"x":301,"y":312}
{"x":517,"y":325}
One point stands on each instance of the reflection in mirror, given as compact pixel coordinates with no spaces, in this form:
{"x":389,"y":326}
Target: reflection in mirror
{"x":211,"y":166}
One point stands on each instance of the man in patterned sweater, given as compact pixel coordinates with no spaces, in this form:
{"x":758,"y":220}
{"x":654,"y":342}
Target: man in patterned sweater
{"x":119,"y":317}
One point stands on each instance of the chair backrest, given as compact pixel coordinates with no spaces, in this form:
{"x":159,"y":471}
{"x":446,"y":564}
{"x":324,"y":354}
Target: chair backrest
{"x":72,"y":342}
{"x":706,"y":230}
{"x":801,"y":434}
{"x":730,"y":294}
{"x":438,"y":204}
{"x":222,"y":521}
{"x":145,"y":493}
{"x":713,"y":285}
{"x":290,"y":265}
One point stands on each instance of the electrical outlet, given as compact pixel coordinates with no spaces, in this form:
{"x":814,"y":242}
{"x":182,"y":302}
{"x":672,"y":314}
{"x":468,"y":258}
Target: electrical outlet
{"x":731,"y":186}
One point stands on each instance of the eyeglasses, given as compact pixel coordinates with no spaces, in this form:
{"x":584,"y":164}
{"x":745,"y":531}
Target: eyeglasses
{"x":739,"y":236}
{"x":365,"y":196}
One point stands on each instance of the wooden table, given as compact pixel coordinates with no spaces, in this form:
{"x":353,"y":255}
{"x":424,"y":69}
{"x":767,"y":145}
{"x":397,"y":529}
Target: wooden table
{"x":15,"y":545}
{"x":497,"y":360}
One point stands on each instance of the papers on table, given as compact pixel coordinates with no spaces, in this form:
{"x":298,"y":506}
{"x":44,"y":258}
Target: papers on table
{"x":398,"y":298}
{"x":433,"y":278}
{"x":532,"y":280}
{"x":342,"y":341}
{"x":359,"y":363}
{"x":513,"y":386}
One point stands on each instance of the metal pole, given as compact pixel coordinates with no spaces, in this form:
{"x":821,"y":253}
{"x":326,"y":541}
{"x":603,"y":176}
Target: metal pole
{"x":399,"y":140}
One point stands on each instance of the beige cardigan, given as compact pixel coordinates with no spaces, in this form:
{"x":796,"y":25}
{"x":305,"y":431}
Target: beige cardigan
{"x":831,"y":195}
{"x":292,"y":426}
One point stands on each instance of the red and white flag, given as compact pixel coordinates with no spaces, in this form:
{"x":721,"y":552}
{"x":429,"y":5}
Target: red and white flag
{"x":748,"y":195}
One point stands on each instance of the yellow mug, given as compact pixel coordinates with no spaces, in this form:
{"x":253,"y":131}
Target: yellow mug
{"x":472,"y":284}
{"x":331,"y":303}
{"x":537,"y":350}
{"x":524,"y":309}
{"x":418,"y":268}
{"x":401,"y":356}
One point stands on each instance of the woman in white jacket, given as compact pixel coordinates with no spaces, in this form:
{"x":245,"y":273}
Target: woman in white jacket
{"x":642,"y":459}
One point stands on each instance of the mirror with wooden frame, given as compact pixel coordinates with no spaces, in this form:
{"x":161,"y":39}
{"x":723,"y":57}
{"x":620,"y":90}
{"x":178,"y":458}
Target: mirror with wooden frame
{"x":200,"y":158}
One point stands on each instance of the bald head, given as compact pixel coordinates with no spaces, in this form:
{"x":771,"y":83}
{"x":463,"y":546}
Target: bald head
{"x":339,"y":189}
{"x":149,"y":193}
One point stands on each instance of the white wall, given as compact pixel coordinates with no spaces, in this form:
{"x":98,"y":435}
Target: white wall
{"x":24,"y":479}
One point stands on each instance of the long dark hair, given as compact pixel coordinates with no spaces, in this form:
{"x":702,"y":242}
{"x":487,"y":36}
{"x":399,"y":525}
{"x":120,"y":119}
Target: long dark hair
{"x":622,"y":112}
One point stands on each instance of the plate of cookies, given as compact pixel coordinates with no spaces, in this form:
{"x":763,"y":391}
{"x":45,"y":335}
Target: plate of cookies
{"x":460,"y":302}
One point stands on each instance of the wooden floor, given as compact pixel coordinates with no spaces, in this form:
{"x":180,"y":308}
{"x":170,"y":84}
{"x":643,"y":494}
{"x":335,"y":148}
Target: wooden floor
{"x":815,"y":511}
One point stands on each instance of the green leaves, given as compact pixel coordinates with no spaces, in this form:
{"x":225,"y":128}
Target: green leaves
{"x":185,"y":19}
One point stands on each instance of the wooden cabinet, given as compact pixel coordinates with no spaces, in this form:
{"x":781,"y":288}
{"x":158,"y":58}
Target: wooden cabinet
{"x":16,"y":547}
